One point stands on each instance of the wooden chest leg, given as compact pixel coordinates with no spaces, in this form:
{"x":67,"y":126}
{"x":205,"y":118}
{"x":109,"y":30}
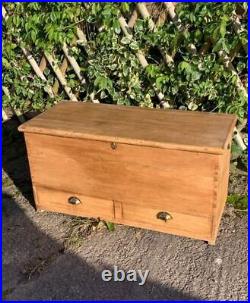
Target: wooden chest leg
{"x":211,"y":242}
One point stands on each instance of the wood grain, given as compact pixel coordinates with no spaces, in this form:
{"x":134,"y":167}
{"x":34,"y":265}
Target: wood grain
{"x":222,"y":190}
{"x":196,"y":131}
{"x":180,"y":224}
{"x":129,"y":214}
{"x":126,"y":164}
{"x":178,"y":180}
{"x":57,"y":201}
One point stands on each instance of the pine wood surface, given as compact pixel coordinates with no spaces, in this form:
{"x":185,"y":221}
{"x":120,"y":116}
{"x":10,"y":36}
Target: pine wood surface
{"x":196,"y":131}
{"x":180,"y":180}
{"x":127,"y":164}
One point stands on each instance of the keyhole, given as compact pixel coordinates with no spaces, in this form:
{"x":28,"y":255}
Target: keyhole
{"x":113,"y":145}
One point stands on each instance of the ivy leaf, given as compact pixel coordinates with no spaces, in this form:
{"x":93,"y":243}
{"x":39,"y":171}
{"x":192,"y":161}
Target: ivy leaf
{"x":198,"y":35}
{"x":103,"y":95}
{"x":241,"y":66}
{"x":33,"y":36}
{"x":245,"y":6}
{"x":192,"y":106}
{"x":221,"y":45}
{"x":223,"y":26}
{"x":195,"y":75}
{"x":125,"y":40}
{"x":160,"y":81}
{"x":134,"y":46}
{"x":103,"y":83}
{"x":152,"y":70}
{"x":116,"y":26}
{"x":125,"y":7}
{"x":5,"y":63}
{"x":185,"y":66}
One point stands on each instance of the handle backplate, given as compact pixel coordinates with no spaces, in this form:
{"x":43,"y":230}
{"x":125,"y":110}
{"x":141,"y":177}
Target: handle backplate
{"x":164,"y":216}
{"x":74,"y":200}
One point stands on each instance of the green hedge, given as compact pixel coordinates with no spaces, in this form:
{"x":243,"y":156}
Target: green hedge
{"x":109,"y":64}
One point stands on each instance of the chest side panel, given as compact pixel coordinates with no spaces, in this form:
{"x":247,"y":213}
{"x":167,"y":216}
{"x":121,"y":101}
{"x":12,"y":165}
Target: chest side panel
{"x":222,"y":191}
{"x":180,"y":181}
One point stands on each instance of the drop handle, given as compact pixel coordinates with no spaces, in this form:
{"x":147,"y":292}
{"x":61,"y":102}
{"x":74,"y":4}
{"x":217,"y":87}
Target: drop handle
{"x":74,"y":200}
{"x":164,"y":216}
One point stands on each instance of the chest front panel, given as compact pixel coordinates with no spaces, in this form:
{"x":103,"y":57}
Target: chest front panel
{"x":178,"y":180}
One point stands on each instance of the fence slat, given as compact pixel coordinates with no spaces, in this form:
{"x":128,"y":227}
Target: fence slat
{"x":145,"y":14}
{"x":74,"y":64}
{"x":63,"y":67}
{"x":238,"y":139}
{"x":4,"y":115}
{"x":133,"y":19}
{"x":15,"y":112}
{"x":228,"y":64}
{"x":60,"y":76}
{"x":43,"y":64}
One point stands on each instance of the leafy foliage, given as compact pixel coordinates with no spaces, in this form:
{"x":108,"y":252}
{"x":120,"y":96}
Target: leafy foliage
{"x":239,"y":202}
{"x":195,"y":81}
{"x":110,"y":226}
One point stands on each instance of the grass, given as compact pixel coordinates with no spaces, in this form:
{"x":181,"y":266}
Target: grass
{"x":239,"y":202}
{"x":79,"y":228}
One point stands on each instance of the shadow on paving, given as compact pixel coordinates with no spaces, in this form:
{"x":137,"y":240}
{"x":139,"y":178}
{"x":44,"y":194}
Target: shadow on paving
{"x":14,"y":158}
{"x":62,"y":275}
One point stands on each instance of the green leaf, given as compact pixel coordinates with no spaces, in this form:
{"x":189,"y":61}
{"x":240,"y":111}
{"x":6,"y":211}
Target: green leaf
{"x":185,"y":66}
{"x":235,"y":149}
{"x":198,"y":34}
{"x":192,"y":106}
{"x":5,"y":63}
{"x":33,"y":36}
{"x":221,"y":45}
{"x":134,"y":46}
{"x":195,"y":75}
{"x":125,"y":40}
{"x":125,"y":7}
{"x":116,"y":26}
{"x":152,"y":70}
{"x":110,"y":226}
{"x":160,"y":81}
{"x":239,"y":202}
{"x":223,"y":26}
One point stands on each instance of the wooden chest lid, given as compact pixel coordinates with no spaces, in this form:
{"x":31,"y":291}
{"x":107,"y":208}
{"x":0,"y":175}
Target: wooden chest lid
{"x":184,"y":130}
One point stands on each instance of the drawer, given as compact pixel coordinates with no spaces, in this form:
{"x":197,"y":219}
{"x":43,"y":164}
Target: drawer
{"x":182,"y":181}
{"x":63,"y":202}
{"x":175,"y":223}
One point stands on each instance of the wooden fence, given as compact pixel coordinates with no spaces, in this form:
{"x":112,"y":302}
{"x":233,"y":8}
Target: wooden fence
{"x":142,"y":10}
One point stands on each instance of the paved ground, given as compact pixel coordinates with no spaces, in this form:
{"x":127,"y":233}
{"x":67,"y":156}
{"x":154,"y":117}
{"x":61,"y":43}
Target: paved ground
{"x":51,"y":256}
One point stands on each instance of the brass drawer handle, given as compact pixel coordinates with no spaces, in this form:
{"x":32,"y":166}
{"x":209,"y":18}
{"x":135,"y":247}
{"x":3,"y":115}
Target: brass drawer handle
{"x":164,"y":216}
{"x":74,"y":200}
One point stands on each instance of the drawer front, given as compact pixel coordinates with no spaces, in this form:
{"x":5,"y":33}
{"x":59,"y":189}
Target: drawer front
{"x":166,"y":221}
{"x":73,"y":204}
{"x":181,"y":181}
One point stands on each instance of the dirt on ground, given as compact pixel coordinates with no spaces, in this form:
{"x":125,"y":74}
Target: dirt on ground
{"x":49,"y":256}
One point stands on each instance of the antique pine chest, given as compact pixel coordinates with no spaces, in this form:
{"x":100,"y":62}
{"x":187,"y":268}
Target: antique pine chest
{"x":163,"y":170}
